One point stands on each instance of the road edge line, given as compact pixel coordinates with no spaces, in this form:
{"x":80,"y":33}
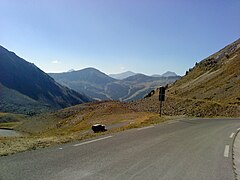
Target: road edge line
{"x":232,"y":135}
{"x":226,"y":151}
{"x":146,"y":127}
{"x":233,"y":164}
{"x":91,"y":141}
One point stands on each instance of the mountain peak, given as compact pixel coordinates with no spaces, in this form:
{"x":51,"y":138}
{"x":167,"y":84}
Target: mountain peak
{"x":169,"y":73}
{"x":122,"y":75}
{"x":89,"y":74}
{"x":70,"y":70}
{"x":16,"y":74}
{"x":166,"y":74}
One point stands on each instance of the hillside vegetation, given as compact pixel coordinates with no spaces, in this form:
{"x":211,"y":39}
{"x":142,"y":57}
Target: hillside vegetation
{"x":80,"y":117}
{"x":210,"y":88}
{"x":74,"y":123}
{"x":215,"y":78}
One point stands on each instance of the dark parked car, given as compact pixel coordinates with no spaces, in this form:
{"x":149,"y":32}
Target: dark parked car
{"x":98,"y":128}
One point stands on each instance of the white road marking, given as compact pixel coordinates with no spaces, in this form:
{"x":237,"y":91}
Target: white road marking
{"x":231,"y":136}
{"x":61,"y":148}
{"x":226,"y":151}
{"x":87,"y":142}
{"x":145,"y":128}
{"x":238,"y":129}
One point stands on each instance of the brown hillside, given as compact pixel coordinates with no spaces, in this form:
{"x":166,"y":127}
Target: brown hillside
{"x":215,"y":78}
{"x":81,"y":117}
{"x":211,"y":88}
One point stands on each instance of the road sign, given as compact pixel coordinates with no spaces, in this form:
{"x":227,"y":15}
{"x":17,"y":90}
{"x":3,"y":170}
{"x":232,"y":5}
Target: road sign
{"x":162,"y":93}
{"x":161,"y":98}
{"x":162,"y":90}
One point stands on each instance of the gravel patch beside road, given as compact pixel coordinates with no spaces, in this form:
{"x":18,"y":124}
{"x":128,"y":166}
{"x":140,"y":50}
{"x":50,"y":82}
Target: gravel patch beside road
{"x":8,"y":133}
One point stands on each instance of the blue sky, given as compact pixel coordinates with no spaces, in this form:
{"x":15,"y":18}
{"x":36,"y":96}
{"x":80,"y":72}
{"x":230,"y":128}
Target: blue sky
{"x":147,"y":36}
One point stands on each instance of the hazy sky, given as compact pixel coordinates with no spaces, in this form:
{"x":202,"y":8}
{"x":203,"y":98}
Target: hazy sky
{"x":148,"y":36}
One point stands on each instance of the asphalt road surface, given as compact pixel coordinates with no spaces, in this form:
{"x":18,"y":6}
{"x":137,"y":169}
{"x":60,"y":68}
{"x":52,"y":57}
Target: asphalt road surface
{"x":188,"y":149}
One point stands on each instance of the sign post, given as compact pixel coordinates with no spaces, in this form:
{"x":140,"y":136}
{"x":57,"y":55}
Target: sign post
{"x":161,"y":98}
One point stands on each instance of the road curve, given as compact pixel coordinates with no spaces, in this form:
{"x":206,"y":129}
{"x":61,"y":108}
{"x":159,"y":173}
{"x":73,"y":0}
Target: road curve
{"x":188,"y":149}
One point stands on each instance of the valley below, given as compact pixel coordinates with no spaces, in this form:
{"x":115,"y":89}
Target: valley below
{"x":119,"y":90}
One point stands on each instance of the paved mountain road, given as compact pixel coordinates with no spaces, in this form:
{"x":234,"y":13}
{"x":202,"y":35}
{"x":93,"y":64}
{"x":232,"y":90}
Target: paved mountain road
{"x":188,"y":149}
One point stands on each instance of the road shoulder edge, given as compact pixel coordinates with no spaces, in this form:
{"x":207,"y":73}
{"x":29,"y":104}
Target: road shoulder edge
{"x":236,"y":155}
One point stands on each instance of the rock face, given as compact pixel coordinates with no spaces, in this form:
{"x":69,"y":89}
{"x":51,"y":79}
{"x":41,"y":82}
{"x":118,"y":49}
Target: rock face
{"x":30,"y":85}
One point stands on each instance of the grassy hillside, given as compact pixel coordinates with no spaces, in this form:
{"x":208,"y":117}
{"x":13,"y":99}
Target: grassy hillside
{"x":80,"y":117}
{"x":210,"y":88}
{"x":216,"y":78}
{"x":74,"y":123}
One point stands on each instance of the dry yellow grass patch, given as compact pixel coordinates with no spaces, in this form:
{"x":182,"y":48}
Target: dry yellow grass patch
{"x":75,"y":123}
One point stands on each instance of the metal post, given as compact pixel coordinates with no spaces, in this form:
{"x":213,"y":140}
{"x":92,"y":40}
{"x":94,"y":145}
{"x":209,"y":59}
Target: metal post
{"x":161,"y":98}
{"x":160,"y":112}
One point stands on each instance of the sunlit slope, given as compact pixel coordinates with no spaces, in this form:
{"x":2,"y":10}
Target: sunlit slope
{"x":210,"y":88}
{"x":80,"y":118}
{"x":216,"y":78}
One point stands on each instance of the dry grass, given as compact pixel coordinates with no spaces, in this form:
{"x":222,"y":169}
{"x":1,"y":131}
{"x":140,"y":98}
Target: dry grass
{"x":13,"y":145}
{"x":175,"y":106}
{"x":219,"y":82}
{"x":211,"y":89}
{"x":74,"y":124}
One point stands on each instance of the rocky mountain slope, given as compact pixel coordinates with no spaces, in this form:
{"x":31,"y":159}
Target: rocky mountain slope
{"x":210,"y":88}
{"x":216,"y":78}
{"x":25,"y":88}
{"x":100,"y":86}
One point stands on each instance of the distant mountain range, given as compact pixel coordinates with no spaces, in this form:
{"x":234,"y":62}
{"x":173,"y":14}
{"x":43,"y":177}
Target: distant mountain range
{"x":122,"y":75}
{"x":100,"y":86}
{"x":24,"y":88}
{"x":166,"y":74}
{"x":127,"y":74}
